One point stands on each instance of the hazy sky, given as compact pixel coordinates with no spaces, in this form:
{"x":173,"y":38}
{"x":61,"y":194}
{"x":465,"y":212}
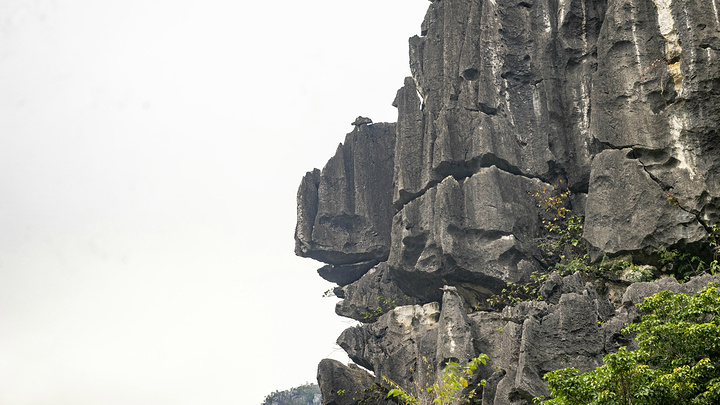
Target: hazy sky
{"x":150,"y":157}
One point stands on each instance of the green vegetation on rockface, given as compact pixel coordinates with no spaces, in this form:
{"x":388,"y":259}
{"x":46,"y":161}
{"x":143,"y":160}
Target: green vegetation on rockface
{"x":302,"y":395}
{"x":564,"y":251}
{"x":677,"y":361}
{"x":455,"y":385}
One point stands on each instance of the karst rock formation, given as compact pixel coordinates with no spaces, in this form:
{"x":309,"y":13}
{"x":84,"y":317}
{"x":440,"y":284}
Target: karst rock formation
{"x":617,"y":101}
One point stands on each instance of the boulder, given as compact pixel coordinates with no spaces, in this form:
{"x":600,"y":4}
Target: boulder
{"x":620,"y":218}
{"x":504,"y":83}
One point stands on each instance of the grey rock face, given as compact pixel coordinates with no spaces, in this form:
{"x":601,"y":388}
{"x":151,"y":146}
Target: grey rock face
{"x":655,"y":96}
{"x":344,"y":274}
{"x":655,"y":64}
{"x":507,"y":84}
{"x":541,"y":337}
{"x":624,"y":219}
{"x":356,"y":385}
{"x":374,"y":294}
{"x":637,"y":292}
{"x":615,"y":99}
{"x":480,"y":229}
{"x":411,"y":343}
{"x":456,"y":340}
{"x":555,"y":286}
{"x":394,"y":345}
{"x":413,"y":172}
{"x":345,"y":211}
{"x":360,"y":120}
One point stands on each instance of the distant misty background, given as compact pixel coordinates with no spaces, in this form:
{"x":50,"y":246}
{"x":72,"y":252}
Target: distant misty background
{"x":150,"y":156}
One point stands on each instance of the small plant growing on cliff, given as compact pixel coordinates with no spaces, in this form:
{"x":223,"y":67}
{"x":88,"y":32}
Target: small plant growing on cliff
{"x":565,"y":231}
{"x":455,"y":380}
{"x":515,"y":293}
{"x":384,"y":305}
{"x":677,"y":361}
{"x":564,"y":246}
{"x":684,"y":265}
{"x":672,"y":199}
{"x":714,"y":237}
{"x":563,"y":228}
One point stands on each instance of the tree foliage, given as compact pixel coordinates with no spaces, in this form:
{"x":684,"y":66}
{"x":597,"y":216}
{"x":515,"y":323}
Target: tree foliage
{"x":302,"y":395}
{"x":453,"y":386}
{"x":677,"y":361}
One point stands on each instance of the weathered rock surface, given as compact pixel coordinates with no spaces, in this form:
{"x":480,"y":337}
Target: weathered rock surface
{"x":410,"y":344}
{"x":550,"y":336}
{"x":392,"y":345}
{"x":657,"y":92}
{"x":615,"y":100}
{"x":345,"y":211}
{"x":480,"y":229}
{"x":375,"y":293}
{"x":525,"y":341}
{"x":620,"y":218}
{"x":356,"y":384}
{"x":505,"y":83}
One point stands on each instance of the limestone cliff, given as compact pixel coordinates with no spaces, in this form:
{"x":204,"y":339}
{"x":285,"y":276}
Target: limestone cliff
{"x":617,"y":100}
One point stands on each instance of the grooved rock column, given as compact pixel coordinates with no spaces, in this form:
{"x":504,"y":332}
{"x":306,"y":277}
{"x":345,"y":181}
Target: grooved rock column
{"x":345,"y":211}
{"x":504,"y":84}
{"x":413,"y":172}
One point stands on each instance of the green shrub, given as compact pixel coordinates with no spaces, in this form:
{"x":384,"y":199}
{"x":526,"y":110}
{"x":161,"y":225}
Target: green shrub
{"x":677,"y":360}
{"x":684,"y":265}
{"x":450,"y":389}
{"x":384,"y":305}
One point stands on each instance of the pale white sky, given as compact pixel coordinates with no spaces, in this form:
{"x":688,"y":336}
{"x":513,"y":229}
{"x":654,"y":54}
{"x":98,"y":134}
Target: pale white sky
{"x":150,"y":156}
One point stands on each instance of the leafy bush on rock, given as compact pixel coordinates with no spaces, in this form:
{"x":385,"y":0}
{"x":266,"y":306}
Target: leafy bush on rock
{"x":677,"y":361}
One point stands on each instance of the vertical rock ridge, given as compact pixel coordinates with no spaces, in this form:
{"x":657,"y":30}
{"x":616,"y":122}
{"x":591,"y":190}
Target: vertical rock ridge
{"x":345,"y":210}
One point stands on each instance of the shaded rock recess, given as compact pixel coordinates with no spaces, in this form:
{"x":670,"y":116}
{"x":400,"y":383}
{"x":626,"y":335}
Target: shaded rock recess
{"x":615,"y":101}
